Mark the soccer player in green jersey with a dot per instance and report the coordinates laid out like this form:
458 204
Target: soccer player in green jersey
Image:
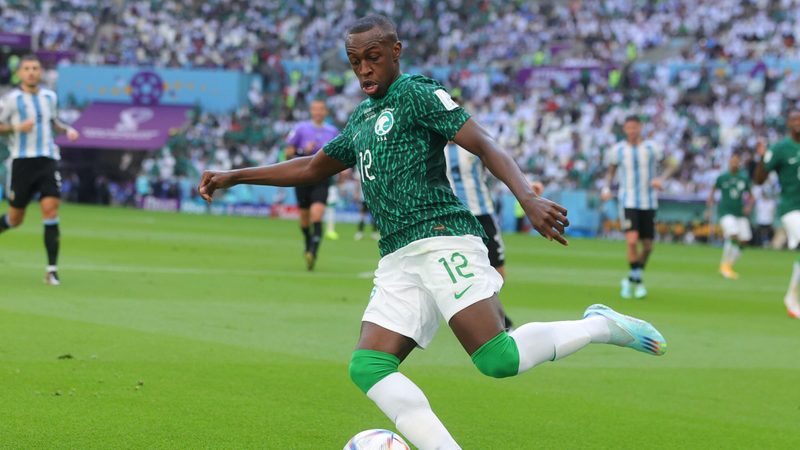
434 261
732 211
784 159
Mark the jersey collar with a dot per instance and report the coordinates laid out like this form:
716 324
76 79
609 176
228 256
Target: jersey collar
392 88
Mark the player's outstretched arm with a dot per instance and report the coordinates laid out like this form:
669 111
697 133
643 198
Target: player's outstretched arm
548 218
605 193
760 175
61 127
22 127
295 172
711 193
671 166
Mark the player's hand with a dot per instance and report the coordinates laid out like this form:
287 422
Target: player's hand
310 146
72 134
548 218
761 147
25 127
211 181
657 184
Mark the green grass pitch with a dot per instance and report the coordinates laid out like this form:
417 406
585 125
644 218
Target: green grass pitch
206 332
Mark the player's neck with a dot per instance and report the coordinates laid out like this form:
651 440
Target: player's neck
636 141
795 137
29 89
318 124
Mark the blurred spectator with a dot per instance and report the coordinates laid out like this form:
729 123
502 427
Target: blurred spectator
704 74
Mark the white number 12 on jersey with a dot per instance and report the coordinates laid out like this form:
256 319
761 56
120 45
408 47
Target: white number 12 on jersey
366 163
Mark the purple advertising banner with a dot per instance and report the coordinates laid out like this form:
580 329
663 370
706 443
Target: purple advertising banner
542 75
15 40
126 127
53 57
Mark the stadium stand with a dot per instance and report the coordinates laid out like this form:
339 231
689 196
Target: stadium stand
706 83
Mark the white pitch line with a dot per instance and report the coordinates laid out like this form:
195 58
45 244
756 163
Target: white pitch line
191 271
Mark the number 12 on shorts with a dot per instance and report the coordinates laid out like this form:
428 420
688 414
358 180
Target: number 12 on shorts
460 263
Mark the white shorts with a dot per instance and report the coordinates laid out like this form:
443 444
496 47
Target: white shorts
333 195
791 224
430 280
736 226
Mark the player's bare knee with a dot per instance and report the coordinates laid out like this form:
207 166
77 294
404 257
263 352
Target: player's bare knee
498 358
15 220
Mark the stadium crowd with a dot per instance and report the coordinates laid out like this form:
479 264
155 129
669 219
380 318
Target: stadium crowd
706 83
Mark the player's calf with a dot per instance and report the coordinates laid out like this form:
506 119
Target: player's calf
375 373
8 222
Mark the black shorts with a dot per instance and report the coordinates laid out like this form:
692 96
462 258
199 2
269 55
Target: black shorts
497 250
641 220
32 176
313 193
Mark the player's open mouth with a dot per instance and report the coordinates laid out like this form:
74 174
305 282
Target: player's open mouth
369 87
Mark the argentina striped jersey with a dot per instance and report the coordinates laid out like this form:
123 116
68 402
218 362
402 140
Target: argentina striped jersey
636 169
467 177
19 106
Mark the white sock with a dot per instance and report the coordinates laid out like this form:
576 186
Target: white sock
406 405
330 218
726 251
794 281
790 300
52 268
735 252
538 342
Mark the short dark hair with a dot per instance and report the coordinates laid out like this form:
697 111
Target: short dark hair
633 118
367 23
29 57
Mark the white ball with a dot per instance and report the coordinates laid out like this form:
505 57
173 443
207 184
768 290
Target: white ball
376 440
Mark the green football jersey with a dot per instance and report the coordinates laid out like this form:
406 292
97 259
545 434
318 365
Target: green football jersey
397 145
784 159
732 186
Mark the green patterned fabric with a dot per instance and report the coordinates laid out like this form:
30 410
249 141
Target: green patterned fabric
732 186
784 159
396 143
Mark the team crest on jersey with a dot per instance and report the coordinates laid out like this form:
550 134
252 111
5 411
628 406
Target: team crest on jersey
384 123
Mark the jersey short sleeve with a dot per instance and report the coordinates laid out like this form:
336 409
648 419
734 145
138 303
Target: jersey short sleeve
658 151
718 183
772 158
5 109
612 155
53 97
437 111
341 147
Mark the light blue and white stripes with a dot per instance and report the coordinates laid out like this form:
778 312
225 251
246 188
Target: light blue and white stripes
17 107
636 169
467 177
